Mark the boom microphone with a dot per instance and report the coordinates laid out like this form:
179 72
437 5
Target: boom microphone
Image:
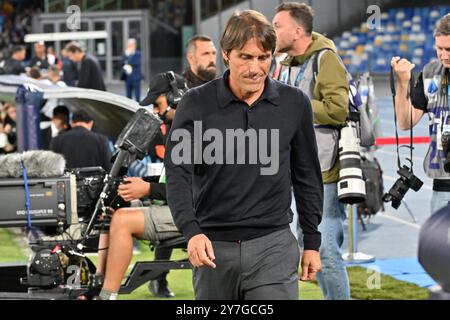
38 163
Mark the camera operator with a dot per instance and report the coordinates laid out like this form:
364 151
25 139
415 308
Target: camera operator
136 222
430 95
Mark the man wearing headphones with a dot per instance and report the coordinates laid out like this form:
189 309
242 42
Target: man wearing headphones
164 93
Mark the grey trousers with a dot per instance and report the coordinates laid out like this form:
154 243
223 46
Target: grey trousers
264 268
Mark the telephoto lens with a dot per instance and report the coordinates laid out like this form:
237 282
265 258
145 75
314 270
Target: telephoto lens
351 185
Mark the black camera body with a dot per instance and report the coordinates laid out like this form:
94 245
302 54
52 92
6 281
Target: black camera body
90 183
406 181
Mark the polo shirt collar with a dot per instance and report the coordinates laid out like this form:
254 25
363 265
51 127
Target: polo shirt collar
225 96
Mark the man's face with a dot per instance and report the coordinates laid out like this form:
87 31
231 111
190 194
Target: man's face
75 56
443 50
285 29
54 76
12 113
39 49
60 124
203 60
20 55
249 66
160 107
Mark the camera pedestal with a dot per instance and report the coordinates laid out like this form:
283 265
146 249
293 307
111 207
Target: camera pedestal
353 256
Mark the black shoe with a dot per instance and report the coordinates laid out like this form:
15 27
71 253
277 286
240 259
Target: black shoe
159 288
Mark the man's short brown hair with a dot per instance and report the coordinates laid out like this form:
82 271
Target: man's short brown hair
443 28
73 47
301 13
246 25
191 45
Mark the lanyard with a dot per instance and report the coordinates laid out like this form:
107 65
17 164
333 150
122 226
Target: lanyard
299 74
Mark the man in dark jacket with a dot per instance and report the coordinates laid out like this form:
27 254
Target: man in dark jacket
39 59
90 75
14 65
59 124
69 68
201 56
131 70
80 146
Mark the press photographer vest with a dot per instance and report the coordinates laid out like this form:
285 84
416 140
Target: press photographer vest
436 94
327 136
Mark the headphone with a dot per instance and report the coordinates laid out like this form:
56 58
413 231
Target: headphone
174 96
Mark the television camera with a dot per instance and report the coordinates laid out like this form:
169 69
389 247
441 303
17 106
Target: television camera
70 207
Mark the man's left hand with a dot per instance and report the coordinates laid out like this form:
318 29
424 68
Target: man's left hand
310 265
133 189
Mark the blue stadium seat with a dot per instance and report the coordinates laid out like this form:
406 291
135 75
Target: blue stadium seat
406 32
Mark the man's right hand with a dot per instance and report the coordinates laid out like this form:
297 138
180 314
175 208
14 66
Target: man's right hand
402 68
200 251
133 189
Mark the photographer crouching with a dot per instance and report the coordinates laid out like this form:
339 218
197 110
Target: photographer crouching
116 247
430 95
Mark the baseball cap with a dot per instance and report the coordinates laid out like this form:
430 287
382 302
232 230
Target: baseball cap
160 84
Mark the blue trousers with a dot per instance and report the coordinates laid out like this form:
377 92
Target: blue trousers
133 86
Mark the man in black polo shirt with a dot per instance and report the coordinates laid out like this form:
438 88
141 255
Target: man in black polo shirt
232 200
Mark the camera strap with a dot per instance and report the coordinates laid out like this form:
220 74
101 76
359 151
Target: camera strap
27 194
411 132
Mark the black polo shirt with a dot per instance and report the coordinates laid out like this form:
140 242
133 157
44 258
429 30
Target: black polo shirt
230 201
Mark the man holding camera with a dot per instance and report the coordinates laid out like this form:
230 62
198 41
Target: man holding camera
234 214
136 222
328 91
430 95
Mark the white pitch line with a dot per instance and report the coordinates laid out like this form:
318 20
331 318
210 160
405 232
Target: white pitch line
390 217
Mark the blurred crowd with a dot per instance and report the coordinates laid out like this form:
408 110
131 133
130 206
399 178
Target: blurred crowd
8 135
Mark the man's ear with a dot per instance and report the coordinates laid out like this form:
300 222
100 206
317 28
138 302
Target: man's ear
190 58
299 32
225 58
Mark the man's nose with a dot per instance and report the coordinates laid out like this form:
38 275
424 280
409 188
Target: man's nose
254 65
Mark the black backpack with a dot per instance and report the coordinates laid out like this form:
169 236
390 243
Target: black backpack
373 176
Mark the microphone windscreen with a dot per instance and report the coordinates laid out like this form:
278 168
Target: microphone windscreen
38 164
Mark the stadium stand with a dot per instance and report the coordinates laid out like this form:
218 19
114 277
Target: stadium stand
404 31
